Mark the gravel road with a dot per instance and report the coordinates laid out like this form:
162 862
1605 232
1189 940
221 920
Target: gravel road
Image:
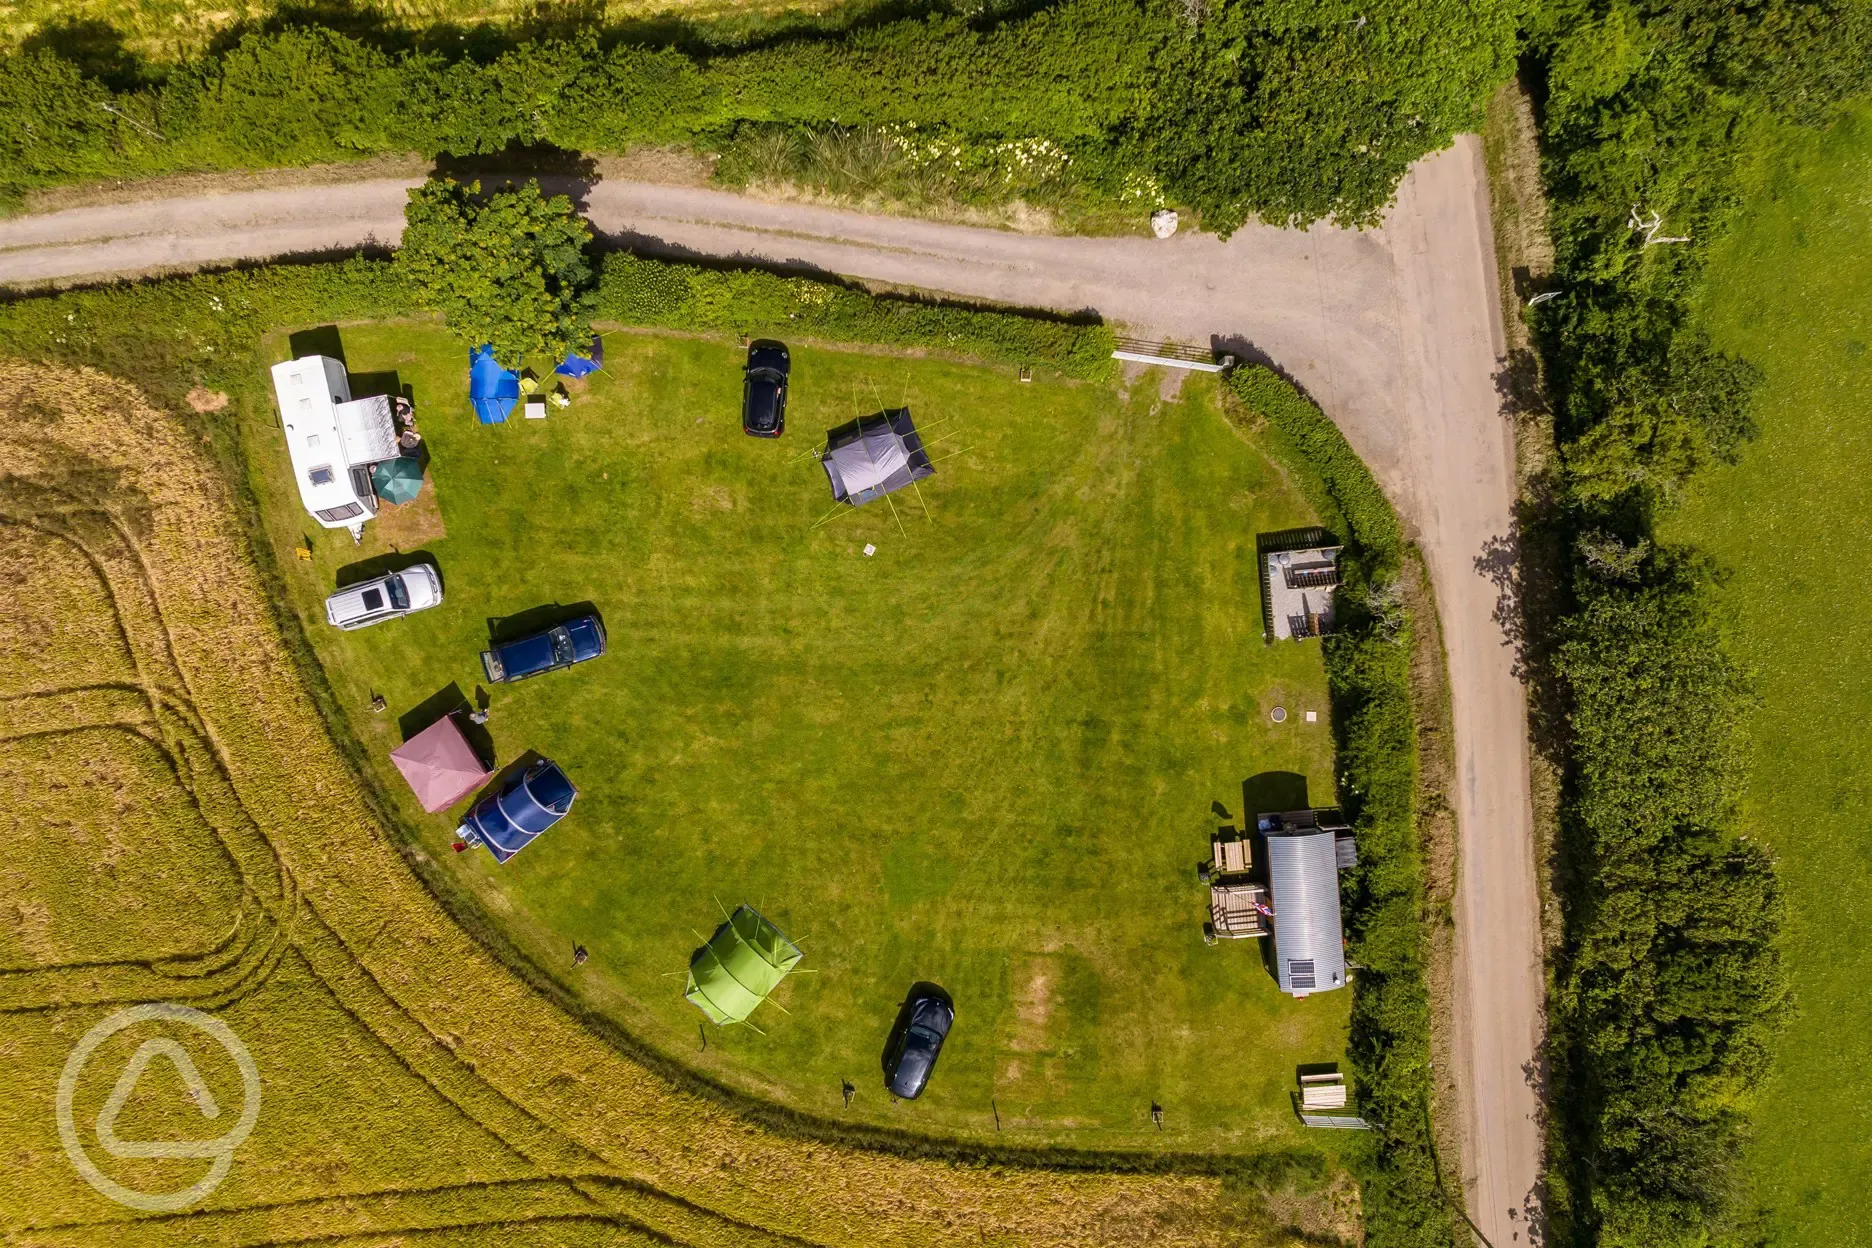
1395 331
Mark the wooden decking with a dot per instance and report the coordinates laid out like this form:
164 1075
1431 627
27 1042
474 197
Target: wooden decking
1235 910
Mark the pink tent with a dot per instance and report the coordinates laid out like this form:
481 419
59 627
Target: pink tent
440 765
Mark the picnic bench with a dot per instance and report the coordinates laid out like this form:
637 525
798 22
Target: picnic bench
1231 856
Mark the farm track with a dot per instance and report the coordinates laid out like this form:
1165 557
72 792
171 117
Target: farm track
587 1139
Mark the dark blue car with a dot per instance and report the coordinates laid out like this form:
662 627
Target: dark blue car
914 1047
557 647
531 801
763 389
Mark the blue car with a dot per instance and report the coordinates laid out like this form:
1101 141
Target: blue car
557 647
530 802
914 1047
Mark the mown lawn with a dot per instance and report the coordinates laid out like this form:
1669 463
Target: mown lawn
984 756
1792 291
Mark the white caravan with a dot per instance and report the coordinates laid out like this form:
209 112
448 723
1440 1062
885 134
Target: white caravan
333 440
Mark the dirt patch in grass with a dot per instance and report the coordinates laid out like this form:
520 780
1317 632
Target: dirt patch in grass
406 526
203 400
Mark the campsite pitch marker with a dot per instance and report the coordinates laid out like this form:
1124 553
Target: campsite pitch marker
870 550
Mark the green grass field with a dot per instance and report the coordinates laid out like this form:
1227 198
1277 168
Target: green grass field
985 756
1792 291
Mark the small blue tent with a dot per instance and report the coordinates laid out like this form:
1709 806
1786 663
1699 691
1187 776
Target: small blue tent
492 390
576 366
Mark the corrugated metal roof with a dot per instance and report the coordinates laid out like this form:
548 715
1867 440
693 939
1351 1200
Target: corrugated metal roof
1309 940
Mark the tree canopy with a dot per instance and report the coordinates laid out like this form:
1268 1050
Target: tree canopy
507 268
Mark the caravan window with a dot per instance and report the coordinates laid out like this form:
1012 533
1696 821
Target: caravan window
322 475
347 512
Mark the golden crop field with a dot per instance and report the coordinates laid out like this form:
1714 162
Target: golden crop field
184 830
169 30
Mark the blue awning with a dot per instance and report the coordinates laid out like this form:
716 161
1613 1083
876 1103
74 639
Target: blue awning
576 366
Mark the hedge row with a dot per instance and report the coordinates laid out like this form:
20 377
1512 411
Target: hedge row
1368 671
636 291
1286 111
1667 984
171 335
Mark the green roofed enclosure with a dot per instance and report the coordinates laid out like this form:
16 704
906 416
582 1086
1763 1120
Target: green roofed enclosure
742 962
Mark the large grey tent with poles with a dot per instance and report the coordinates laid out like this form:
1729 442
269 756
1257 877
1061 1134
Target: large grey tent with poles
875 455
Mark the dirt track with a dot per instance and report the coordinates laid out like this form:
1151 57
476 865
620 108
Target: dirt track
1396 333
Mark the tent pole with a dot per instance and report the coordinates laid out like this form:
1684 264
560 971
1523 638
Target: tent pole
829 516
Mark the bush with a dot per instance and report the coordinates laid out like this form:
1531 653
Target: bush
508 269
1291 112
1374 723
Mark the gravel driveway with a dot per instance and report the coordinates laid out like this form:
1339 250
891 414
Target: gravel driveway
1395 331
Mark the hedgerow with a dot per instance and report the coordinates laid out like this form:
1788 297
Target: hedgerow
1667 986
171 335
1375 730
1289 111
636 291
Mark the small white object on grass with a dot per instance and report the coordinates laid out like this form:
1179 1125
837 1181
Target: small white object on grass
1163 223
1278 715
870 549
1312 717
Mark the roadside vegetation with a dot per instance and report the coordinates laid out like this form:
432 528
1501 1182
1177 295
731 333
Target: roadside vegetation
1368 666
153 34
1120 103
1786 287
1668 983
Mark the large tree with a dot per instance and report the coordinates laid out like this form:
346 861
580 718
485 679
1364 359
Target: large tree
508 268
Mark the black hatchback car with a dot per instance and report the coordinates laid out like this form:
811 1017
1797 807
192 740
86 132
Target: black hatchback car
763 389
918 1040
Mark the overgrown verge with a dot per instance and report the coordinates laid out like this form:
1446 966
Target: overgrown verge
1368 667
1667 985
170 336
1288 113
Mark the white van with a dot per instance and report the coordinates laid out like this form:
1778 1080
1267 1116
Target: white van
333 440
386 598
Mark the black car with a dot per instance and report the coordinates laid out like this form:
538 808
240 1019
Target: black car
560 646
763 389
922 1028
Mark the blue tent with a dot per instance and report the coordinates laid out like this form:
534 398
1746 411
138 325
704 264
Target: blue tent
492 390
583 365
526 805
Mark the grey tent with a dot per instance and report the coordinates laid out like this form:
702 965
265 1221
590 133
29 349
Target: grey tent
873 456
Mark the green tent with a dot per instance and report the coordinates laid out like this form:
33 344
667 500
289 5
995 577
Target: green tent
742 962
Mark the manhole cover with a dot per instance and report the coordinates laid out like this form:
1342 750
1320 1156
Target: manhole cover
1278 715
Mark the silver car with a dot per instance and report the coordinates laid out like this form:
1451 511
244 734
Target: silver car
385 598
